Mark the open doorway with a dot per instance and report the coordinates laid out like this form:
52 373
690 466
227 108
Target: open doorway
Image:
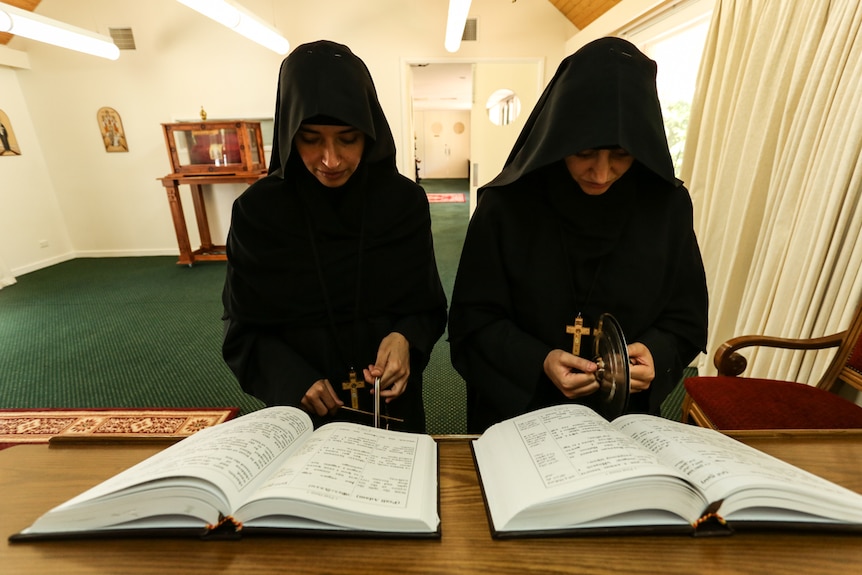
442 102
479 89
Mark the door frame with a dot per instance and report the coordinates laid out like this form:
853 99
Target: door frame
408 158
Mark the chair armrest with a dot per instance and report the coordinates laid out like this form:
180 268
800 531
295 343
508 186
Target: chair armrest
728 362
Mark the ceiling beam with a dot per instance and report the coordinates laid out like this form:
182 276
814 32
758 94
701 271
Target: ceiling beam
582 13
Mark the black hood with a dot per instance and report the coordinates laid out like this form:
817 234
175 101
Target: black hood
602 95
326 79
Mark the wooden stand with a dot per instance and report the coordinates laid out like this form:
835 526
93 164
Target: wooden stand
208 251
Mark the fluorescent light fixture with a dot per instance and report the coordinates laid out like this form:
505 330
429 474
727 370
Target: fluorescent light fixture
35 27
458 10
241 21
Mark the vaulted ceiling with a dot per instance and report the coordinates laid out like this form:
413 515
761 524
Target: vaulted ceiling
579 12
583 12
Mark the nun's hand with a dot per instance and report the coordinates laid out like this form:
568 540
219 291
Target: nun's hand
321 399
392 366
574 376
641 368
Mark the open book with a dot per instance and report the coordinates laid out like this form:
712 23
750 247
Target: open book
566 470
263 472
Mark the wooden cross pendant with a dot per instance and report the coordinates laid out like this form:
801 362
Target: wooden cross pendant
353 384
577 331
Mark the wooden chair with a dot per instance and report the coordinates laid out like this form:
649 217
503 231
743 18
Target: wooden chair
730 402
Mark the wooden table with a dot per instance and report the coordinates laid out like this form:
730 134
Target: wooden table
172 182
35 478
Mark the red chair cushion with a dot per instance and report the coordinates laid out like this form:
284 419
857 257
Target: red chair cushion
752 403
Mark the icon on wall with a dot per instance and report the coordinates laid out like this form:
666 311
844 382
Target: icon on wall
111 127
8 142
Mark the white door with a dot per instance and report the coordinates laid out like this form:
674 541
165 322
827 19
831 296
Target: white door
446 149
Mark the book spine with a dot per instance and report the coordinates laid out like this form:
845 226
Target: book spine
226 528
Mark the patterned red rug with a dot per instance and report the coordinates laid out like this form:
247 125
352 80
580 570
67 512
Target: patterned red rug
41 425
446 198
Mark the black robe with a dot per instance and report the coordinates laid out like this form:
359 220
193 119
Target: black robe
539 251
318 276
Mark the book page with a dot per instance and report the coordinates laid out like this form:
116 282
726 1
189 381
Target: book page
722 468
353 470
563 451
235 455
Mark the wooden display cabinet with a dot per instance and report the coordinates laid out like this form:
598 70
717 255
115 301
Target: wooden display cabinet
208 153
215 147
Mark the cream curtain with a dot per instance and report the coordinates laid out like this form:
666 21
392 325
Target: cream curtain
772 161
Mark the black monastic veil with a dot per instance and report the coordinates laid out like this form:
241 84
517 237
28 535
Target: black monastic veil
539 251
318 276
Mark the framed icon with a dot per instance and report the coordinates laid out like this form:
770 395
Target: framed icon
111 128
8 141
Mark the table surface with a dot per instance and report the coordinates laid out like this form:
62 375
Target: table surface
34 478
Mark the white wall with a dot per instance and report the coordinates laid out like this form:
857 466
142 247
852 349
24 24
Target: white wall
85 202
29 212
492 143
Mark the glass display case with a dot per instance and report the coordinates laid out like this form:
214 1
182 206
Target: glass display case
215 147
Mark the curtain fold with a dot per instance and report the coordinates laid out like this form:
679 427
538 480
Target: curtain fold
772 161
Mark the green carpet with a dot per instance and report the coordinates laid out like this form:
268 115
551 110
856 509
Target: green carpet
145 332
444 389
116 332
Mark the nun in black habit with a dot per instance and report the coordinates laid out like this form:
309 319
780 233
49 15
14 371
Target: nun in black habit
586 217
331 276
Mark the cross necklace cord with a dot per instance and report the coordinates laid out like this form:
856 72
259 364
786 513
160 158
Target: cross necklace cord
578 330
353 384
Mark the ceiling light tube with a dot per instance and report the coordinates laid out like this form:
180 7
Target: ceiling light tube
458 10
36 27
241 21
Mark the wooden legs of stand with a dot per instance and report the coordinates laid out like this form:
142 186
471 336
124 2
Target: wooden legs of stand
208 251
173 191
201 215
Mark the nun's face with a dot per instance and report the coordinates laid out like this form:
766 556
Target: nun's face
330 153
596 169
